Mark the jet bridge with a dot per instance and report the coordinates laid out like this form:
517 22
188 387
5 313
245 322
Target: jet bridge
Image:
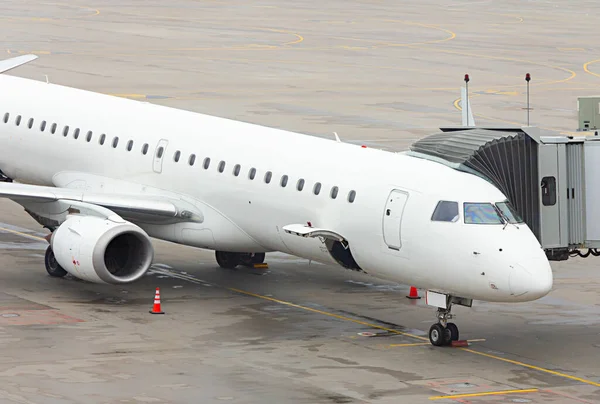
552 181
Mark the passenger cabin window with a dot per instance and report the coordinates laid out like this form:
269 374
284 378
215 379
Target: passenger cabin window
351 196
268 176
300 184
53 128
43 126
221 167
549 191
317 188
6 116
177 156
145 149
102 139
334 192
509 213
115 142
65 131
445 211
88 137
30 123
130 145
481 213
192 159
206 163
159 152
76 134
252 173
18 120
236 169
284 181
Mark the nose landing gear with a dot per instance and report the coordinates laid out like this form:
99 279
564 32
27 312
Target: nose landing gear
443 332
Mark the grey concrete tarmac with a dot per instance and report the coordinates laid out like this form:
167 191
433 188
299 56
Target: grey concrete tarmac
378 73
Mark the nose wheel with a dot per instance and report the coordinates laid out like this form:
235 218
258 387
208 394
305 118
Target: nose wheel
443 333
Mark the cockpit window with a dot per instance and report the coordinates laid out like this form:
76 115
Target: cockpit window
445 211
481 213
509 212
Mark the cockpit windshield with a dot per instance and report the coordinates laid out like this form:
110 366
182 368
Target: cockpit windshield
509 212
481 213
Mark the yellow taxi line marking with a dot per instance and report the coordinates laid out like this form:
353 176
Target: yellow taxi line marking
22 234
328 314
586 67
485 393
539 369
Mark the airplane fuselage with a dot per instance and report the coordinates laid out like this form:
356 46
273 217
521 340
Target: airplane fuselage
259 180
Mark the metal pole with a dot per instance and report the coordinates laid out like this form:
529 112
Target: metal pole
527 79
467 90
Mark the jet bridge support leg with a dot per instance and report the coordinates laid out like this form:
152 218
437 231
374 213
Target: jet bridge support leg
443 332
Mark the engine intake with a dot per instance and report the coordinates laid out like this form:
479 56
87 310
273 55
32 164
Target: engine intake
102 250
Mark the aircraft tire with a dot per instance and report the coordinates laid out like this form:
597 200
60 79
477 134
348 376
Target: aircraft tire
52 266
452 330
437 335
227 260
251 259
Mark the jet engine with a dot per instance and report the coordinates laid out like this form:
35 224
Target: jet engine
101 250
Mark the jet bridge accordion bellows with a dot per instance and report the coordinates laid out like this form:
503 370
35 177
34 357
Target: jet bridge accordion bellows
508 158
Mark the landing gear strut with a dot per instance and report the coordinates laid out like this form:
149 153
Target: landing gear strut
230 260
52 266
443 332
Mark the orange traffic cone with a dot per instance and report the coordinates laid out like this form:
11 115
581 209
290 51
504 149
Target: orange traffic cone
156 308
413 294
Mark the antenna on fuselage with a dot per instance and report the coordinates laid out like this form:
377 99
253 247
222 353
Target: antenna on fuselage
337 138
47 79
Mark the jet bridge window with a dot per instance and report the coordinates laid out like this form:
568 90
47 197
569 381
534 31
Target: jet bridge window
18 120
66 131
6 116
30 124
236 170
192 159
549 191
445 211
177 156
481 213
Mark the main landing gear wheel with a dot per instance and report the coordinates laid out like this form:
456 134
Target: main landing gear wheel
437 335
252 258
228 260
443 333
52 266
452 332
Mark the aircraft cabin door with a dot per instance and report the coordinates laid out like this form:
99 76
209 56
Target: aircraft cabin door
392 219
159 155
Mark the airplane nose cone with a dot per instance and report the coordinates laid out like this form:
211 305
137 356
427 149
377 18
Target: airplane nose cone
530 280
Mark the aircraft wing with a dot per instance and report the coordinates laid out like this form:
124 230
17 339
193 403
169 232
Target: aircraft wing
9 64
56 200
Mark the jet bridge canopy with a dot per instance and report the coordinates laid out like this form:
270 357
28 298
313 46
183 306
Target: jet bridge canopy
506 157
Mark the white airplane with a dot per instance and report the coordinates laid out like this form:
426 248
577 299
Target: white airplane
105 174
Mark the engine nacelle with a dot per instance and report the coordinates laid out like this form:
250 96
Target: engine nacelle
102 250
